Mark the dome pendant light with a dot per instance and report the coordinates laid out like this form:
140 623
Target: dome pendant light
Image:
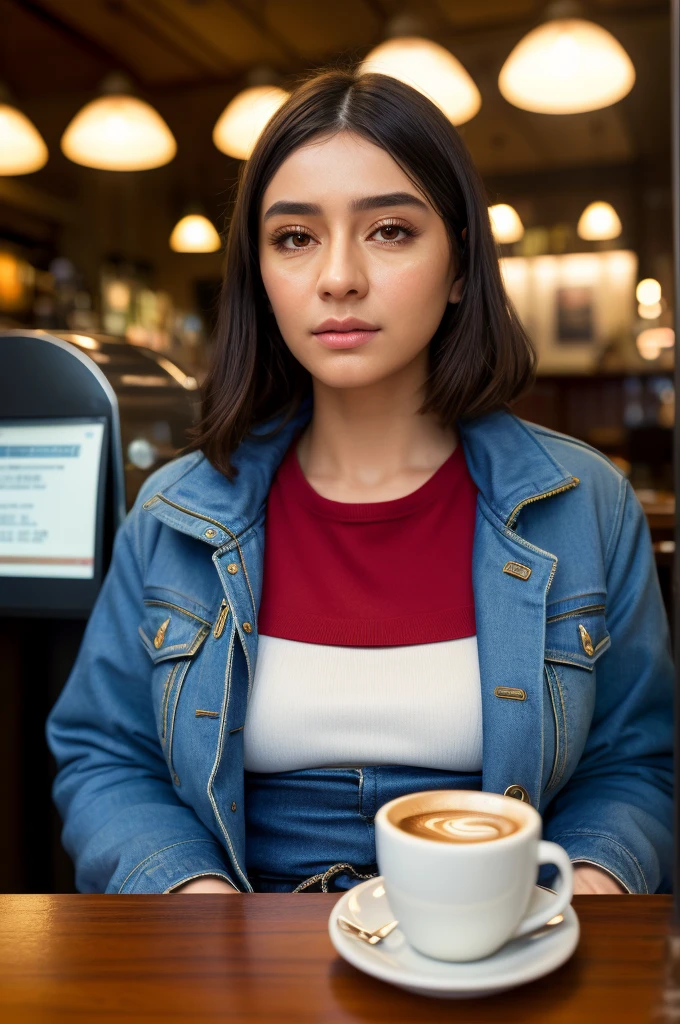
22 147
568 65
194 233
598 223
505 223
432 70
242 121
118 132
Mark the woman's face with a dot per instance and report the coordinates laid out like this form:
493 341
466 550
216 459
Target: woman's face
344 235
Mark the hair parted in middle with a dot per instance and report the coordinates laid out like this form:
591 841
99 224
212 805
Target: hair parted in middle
480 356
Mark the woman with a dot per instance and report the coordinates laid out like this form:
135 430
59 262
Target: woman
368 577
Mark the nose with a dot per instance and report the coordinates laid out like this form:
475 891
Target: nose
341 271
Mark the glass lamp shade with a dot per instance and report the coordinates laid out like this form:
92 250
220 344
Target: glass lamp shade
430 69
22 147
505 223
240 124
566 66
194 233
599 222
119 133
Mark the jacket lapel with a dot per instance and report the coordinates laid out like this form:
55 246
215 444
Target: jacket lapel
511 578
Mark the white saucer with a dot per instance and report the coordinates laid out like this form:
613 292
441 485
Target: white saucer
393 960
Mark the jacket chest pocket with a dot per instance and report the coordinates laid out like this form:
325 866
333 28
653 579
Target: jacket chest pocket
576 637
172 637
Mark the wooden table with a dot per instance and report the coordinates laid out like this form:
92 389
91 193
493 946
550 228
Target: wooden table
267 958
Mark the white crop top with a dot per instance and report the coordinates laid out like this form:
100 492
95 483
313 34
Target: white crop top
314 706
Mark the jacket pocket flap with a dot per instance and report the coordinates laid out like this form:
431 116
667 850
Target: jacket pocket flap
576 631
168 631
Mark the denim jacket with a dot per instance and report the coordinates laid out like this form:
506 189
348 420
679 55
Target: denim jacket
574 653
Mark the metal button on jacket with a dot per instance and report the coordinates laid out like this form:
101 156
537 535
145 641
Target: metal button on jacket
247 628
586 640
210 533
522 572
160 635
232 568
518 793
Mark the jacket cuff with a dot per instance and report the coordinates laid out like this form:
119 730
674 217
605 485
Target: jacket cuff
174 864
604 852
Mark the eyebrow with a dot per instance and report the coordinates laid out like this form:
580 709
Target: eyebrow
300 209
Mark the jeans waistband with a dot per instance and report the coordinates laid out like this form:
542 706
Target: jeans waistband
301 823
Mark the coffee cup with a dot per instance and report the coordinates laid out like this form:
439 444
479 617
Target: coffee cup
459 868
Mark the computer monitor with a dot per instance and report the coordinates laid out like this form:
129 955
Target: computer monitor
52 485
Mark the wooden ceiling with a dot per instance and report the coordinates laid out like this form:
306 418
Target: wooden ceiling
63 48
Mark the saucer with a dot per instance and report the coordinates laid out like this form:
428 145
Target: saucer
393 960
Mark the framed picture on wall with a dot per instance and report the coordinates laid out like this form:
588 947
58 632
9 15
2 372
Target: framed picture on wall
572 305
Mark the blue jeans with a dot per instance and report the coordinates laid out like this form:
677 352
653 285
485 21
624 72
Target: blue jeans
301 824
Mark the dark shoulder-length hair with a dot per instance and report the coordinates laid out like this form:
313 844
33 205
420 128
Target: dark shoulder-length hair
480 356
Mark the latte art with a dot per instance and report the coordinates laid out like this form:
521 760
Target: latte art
458 826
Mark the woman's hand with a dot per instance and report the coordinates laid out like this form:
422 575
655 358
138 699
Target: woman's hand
206 884
589 880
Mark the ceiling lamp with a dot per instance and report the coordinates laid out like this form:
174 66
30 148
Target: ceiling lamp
241 122
22 147
566 66
505 223
648 291
194 233
599 222
430 69
118 132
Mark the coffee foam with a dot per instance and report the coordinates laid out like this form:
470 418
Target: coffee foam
458 826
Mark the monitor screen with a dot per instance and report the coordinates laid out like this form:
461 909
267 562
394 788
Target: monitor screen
50 484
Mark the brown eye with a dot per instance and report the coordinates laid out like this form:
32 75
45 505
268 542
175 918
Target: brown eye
390 228
300 241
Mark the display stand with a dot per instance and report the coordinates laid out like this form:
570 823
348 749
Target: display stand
61 501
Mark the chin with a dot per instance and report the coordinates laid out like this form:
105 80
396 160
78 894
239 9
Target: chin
343 377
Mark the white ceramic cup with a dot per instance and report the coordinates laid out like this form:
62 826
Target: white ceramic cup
463 901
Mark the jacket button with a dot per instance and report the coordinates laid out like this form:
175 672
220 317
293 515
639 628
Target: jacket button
247 628
232 568
586 641
518 793
522 572
175 779
233 806
160 635
210 533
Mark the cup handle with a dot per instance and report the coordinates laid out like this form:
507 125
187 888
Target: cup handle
551 853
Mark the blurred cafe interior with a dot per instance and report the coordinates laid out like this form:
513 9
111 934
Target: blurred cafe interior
123 125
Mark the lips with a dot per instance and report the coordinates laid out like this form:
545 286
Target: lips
342 326
347 333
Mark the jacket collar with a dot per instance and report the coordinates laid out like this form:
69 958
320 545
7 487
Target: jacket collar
507 462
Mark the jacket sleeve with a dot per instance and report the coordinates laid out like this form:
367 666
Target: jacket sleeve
124 826
616 811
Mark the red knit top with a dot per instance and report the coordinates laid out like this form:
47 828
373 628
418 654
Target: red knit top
371 574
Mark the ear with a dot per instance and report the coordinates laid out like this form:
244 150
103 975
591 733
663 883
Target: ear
456 292
459 283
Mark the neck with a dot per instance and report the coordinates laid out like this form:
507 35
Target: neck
371 443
